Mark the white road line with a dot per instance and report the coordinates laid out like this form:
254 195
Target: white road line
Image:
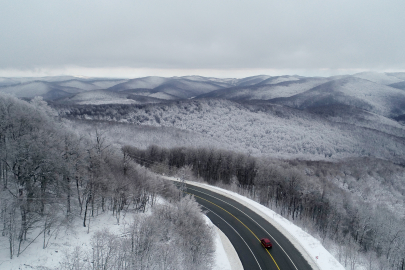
251 219
237 233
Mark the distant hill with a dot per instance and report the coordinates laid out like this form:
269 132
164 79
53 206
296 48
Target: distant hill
53 88
261 129
373 103
378 93
350 91
381 78
399 85
267 89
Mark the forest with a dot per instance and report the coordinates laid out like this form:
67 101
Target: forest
336 171
361 225
261 129
52 176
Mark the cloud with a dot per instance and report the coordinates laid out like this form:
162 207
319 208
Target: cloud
202 35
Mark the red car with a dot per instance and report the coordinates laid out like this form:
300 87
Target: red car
266 243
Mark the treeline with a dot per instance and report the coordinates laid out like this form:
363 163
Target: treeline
103 111
212 165
302 192
50 175
262 130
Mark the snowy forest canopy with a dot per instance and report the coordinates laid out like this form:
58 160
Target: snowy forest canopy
50 175
327 153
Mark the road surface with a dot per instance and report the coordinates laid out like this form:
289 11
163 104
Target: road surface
244 228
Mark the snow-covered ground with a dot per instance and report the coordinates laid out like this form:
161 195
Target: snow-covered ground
35 257
226 257
311 248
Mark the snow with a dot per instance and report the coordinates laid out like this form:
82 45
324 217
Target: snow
81 85
104 84
311 248
147 82
274 90
280 79
108 101
226 257
35 257
378 96
27 89
252 80
98 97
380 78
162 95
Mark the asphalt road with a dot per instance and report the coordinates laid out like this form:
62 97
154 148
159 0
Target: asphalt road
244 228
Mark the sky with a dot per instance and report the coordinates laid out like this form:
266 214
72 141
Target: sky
221 38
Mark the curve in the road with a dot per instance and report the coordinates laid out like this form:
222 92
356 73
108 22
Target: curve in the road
239 236
241 223
242 226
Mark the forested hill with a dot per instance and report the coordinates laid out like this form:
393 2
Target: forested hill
51 177
262 129
326 152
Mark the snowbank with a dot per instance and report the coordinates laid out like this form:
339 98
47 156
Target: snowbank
226 257
311 249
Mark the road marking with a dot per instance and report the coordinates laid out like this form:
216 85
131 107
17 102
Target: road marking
240 222
236 232
253 221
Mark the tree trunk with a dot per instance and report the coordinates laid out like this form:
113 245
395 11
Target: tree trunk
85 214
68 195
78 195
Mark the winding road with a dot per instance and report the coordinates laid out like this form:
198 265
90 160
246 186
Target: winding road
244 228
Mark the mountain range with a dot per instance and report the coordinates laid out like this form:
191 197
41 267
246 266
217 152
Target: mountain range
287 116
380 93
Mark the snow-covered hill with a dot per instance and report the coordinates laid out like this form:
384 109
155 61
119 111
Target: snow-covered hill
358 117
270 130
351 91
99 97
380 78
147 82
268 89
172 88
51 88
379 93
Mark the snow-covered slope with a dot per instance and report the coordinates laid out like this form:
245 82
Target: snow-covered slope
358 117
399 85
270 131
280 79
380 78
80 85
184 89
352 91
399 75
170 88
104 84
146 82
268 90
30 89
252 80
99 97
52 88
222 82
50 258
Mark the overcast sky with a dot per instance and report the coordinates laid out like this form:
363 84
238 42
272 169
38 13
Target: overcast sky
206 37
